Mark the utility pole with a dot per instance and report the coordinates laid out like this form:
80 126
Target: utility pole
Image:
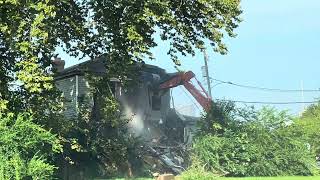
207 71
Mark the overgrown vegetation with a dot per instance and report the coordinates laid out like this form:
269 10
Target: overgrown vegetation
307 127
35 139
26 148
245 142
97 141
122 31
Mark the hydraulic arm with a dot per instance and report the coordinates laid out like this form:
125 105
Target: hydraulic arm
184 79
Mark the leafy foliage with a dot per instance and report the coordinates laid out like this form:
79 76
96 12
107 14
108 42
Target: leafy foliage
98 140
262 145
128 26
25 149
307 126
197 173
122 31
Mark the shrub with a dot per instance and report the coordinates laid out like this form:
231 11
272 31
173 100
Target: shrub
197 171
308 126
25 149
263 145
97 142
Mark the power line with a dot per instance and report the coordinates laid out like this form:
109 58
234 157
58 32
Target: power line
190 98
261 102
265 89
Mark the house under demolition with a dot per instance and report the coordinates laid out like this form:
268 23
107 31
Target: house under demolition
151 116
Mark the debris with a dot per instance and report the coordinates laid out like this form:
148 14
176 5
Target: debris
155 175
166 177
168 162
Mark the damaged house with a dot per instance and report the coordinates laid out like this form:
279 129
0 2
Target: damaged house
148 105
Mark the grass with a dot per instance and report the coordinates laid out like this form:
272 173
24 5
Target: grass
250 178
130 179
272 178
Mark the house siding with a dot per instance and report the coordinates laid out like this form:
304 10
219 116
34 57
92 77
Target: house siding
137 103
74 89
68 88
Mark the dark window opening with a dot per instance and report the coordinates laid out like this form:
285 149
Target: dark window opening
112 87
156 101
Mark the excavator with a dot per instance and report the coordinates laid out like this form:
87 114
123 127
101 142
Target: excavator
202 97
184 78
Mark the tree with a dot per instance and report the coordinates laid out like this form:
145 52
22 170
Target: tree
120 30
123 30
29 33
127 28
307 126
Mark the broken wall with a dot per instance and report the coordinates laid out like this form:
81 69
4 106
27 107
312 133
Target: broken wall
137 101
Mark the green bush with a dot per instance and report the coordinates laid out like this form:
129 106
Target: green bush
25 149
252 143
198 171
307 126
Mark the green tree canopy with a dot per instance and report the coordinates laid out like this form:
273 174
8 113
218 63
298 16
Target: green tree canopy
123 31
308 125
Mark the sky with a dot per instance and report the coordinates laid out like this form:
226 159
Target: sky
276 47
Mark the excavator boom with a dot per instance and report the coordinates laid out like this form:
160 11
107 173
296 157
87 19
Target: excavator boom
185 79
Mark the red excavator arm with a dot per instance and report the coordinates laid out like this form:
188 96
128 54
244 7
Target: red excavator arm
185 79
